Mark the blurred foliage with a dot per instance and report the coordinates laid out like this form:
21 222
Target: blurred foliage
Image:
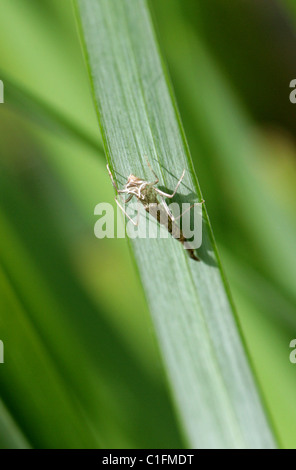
247 171
82 368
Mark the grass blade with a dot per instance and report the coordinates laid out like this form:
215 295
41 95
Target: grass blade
203 351
10 435
82 409
44 115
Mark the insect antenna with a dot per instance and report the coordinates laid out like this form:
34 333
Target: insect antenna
151 169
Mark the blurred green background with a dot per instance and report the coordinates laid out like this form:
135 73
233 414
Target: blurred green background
82 367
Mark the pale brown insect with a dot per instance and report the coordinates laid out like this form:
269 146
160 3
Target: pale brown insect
149 195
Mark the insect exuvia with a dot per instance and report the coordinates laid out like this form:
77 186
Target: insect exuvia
147 194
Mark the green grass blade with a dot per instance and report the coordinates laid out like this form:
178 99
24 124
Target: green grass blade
217 115
209 372
44 114
10 435
53 328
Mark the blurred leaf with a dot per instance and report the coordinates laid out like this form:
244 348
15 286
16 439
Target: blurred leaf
208 368
264 47
257 225
291 6
64 359
45 115
29 367
248 191
10 435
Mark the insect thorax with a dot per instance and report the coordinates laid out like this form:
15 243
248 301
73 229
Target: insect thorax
150 196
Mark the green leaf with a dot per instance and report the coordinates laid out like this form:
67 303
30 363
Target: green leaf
249 206
227 136
291 7
44 114
57 383
10 435
208 368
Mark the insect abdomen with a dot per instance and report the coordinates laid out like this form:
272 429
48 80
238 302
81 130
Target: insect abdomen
160 214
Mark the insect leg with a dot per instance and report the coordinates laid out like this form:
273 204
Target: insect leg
167 209
176 188
113 182
128 198
171 215
192 205
120 206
